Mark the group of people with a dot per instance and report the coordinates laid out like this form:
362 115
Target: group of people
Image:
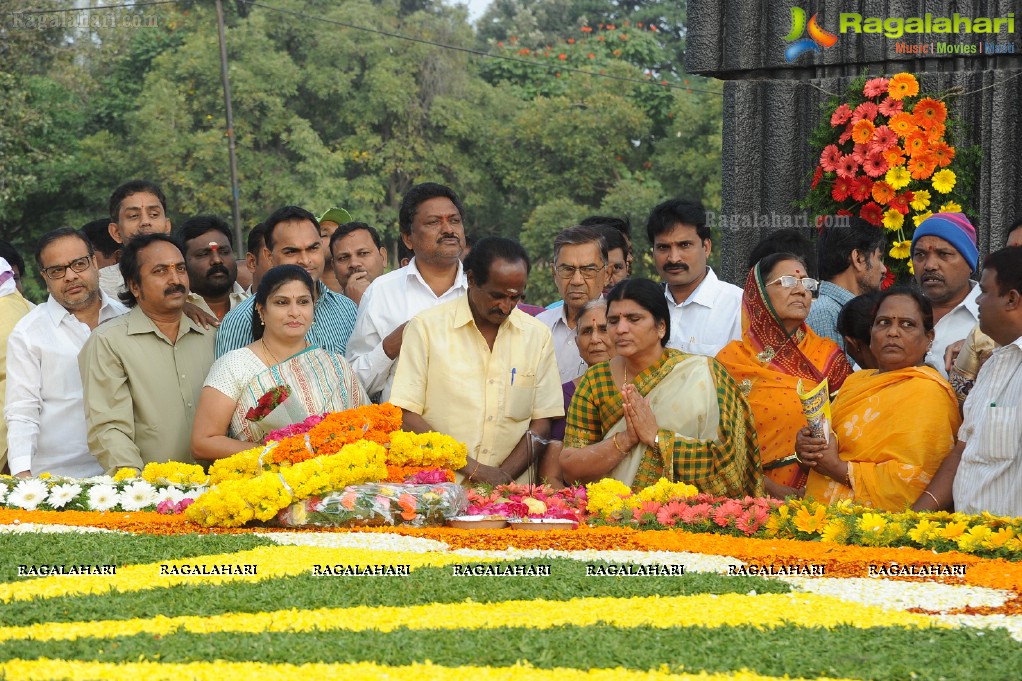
164 353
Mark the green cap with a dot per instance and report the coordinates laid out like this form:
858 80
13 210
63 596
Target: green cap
338 215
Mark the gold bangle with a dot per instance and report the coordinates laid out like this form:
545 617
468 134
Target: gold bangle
617 446
935 500
475 470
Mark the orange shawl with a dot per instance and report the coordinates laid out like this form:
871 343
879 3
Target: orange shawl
767 364
892 453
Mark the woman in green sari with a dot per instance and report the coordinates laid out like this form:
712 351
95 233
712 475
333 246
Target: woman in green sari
653 412
318 380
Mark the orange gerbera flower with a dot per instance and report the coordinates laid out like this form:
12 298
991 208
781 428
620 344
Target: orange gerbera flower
943 153
862 131
903 124
935 132
922 166
917 143
894 156
882 192
903 85
929 111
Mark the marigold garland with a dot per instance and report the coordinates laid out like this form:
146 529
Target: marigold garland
430 450
174 473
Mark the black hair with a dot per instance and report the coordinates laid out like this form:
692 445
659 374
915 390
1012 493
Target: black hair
856 317
614 238
673 212
59 233
199 225
785 241
1007 262
256 239
349 227
131 269
767 264
274 278
98 234
285 214
488 249
418 195
579 235
134 187
925 306
1017 224
9 253
403 252
620 224
648 295
836 242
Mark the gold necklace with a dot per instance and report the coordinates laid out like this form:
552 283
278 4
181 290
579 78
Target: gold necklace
267 351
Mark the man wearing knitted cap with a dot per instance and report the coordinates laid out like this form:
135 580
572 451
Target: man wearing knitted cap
944 255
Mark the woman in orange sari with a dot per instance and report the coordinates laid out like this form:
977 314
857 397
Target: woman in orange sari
879 454
777 350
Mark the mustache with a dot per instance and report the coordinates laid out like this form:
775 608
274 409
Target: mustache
676 267
933 277
218 269
174 288
450 235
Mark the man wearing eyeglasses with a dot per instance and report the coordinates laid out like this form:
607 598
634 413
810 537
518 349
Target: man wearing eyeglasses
706 313
44 409
580 273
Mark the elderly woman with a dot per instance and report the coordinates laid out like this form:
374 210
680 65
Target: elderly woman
777 350
653 412
594 346
879 454
318 380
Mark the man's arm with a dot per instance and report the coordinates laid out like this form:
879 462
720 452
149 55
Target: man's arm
109 413
939 494
518 461
372 350
23 403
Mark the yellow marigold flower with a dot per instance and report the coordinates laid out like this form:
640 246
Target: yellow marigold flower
175 473
950 207
893 220
944 180
919 217
953 529
974 538
811 523
836 532
899 177
920 200
872 523
999 538
901 250
124 474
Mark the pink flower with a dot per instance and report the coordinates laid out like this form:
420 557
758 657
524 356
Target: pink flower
889 107
840 115
670 513
859 152
846 135
874 166
748 523
430 477
513 509
847 167
698 513
875 87
865 111
183 504
166 507
884 138
830 158
647 512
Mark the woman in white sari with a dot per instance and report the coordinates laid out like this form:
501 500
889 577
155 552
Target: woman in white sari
318 380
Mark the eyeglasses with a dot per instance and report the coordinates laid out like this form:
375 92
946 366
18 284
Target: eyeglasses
789 281
588 271
76 265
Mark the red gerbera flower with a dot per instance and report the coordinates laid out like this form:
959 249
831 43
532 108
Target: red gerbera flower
816 176
862 186
830 158
847 166
872 214
842 187
888 281
840 116
859 152
884 138
900 202
875 165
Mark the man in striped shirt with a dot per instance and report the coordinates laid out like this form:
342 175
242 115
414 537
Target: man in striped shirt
984 470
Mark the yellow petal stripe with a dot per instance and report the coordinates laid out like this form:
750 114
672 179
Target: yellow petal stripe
229 671
706 610
269 561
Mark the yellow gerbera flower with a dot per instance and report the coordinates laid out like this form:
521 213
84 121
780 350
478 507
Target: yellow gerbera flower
923 531
943 180
872 523
811 523
835 532
950 207
901 250
954 529
893 220
899 177
919 217
920 200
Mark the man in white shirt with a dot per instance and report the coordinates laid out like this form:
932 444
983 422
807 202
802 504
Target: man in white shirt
580 274
430 220
984 470
706 313
944 255
208 246
45 409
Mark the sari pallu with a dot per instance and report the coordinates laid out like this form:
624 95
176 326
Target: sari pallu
767 364
319 381
706 431
893 449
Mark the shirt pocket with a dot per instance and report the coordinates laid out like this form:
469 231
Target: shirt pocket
521 397
1000 435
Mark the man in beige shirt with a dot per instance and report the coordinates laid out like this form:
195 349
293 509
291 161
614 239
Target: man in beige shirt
481 370
143 371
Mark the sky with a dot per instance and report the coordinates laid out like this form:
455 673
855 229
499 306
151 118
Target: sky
475 8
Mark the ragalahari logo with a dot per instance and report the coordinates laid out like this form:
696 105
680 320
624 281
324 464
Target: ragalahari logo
818 38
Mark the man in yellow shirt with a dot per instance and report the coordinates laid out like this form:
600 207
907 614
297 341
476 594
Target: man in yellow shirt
12 308
481 370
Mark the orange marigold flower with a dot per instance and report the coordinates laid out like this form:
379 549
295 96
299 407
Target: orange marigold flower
943 153
882 192
903 85
586 29
929 111
524 50
862 131
571 41
562 56
591 56
902 123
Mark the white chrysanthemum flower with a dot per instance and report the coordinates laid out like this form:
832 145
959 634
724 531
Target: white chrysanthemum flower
3 492
62 495
172 494
137 494
28 494
103 497
98 480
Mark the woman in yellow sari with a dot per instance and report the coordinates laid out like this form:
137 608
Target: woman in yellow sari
892 427
778 350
